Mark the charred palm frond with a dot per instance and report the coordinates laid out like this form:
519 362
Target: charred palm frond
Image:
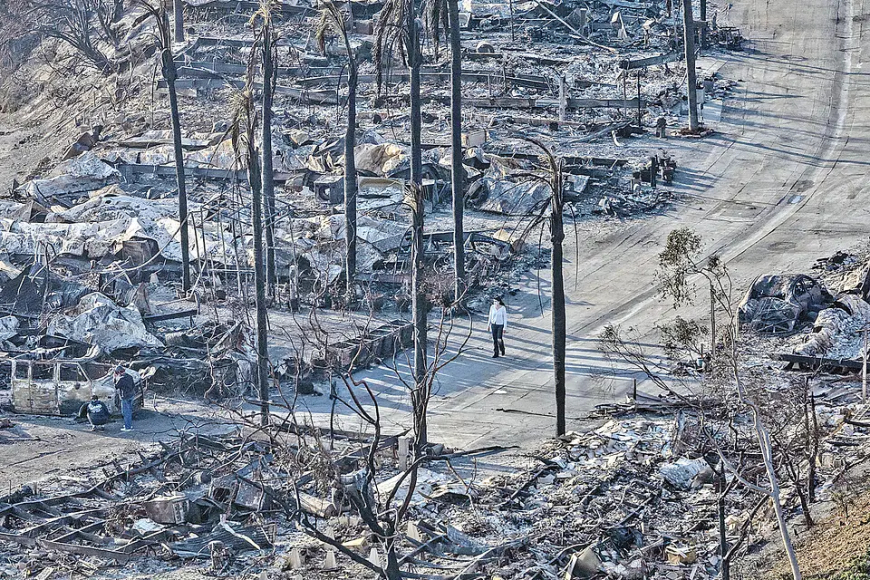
331 18
263 13
436 18
391 35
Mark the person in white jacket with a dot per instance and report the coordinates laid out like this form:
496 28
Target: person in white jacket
497 324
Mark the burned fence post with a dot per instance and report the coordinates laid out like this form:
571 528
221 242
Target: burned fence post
639 110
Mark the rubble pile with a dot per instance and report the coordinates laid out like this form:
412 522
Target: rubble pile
161 503
90 262
630 499
826 316
90 243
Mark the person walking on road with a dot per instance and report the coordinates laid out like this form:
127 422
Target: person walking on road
497 324
127 391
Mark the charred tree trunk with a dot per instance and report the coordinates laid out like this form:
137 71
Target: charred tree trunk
766 447
814 446
99 60
255 181
393 570
692 82
703 16
712 322
118 11
268 172
178 9
418 294
557 233
458 171
725 565
350 182
170 74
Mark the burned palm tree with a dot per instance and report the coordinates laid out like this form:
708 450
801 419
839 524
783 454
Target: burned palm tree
178 13
170 74
553 213
332 18
263 16
398 30
444 14
243 130
691 87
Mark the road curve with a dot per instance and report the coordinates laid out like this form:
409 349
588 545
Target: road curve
782 183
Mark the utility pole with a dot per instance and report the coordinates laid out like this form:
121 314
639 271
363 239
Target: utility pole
689 35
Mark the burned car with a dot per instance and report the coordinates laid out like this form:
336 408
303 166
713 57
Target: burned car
62 386
777 303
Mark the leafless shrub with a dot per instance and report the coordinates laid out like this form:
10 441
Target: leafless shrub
736 394
85 25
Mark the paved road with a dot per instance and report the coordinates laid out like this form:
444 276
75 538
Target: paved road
783 183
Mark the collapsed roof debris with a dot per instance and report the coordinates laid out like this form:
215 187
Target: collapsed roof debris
98 321
235 502
777 303
825 317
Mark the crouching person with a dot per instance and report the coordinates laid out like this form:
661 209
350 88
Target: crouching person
96 412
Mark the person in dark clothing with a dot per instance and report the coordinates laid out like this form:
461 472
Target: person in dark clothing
127 392
97 413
